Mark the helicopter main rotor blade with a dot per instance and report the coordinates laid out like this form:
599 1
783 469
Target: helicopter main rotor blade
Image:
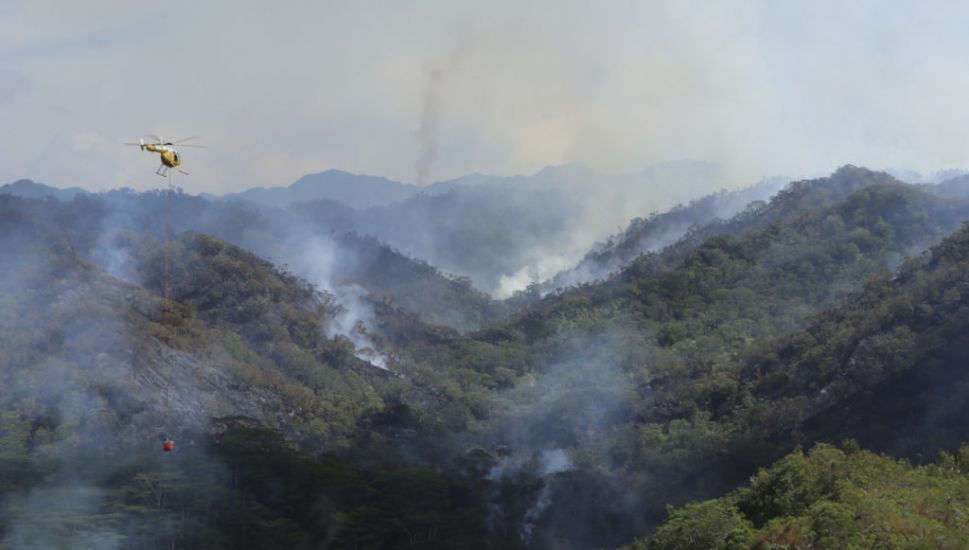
190 145
186 139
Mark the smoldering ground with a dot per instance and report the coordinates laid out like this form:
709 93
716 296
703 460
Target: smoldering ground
551 481
316 260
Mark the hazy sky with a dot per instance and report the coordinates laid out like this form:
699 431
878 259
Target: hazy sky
423 91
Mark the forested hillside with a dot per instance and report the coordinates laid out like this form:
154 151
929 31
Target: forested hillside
335 408
242 376
660 230
241 338
831 498
642 376
341 262
451 275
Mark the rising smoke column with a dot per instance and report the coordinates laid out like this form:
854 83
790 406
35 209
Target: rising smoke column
427 129
437 75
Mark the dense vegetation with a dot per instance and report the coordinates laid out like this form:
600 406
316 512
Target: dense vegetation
93 378
836 310
99 228
661 229
831 498
644 377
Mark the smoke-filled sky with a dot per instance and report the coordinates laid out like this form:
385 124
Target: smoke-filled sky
424 91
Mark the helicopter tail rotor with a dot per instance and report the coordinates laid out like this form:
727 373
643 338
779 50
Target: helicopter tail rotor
140 143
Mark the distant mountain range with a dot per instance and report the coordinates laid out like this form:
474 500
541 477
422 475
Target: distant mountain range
363 191
350 189
502 232
506 233
32 189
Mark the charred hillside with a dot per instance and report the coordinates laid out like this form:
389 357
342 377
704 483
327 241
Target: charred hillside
241 339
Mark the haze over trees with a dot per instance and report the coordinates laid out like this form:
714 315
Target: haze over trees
327 389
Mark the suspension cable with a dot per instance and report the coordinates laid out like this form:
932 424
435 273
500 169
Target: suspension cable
166 275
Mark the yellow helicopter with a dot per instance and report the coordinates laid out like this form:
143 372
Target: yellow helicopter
166 149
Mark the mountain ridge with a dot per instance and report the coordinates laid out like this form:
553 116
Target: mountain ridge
30 188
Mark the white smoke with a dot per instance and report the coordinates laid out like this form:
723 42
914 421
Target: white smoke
316 262
544 465
539 270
